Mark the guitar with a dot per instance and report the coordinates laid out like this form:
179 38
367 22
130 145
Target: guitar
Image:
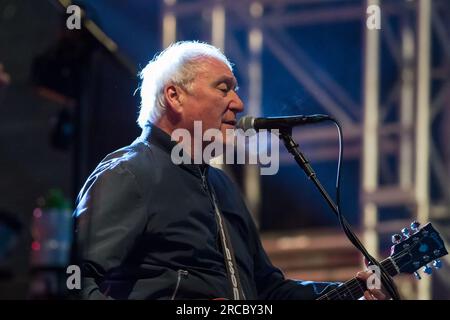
407 256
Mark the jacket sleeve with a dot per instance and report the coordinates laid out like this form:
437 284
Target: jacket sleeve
110 216
271 283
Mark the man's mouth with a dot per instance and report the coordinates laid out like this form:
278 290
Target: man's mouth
230 122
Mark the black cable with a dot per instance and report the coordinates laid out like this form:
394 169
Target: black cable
386 278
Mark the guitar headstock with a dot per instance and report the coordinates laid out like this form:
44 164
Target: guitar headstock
417 249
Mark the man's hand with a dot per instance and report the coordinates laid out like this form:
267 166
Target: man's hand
372 294
4 77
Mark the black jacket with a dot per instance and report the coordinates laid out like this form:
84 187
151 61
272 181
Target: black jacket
147 230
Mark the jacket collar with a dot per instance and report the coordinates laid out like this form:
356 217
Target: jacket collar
152 135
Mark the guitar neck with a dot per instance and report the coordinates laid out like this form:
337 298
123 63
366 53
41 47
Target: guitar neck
354 288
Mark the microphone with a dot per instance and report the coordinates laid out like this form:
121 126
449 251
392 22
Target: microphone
249 122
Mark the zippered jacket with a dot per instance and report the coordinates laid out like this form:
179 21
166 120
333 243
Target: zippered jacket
146 229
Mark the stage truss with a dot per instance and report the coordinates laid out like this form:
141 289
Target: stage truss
400 159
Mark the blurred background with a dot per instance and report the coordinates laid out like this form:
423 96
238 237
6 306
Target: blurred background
380 67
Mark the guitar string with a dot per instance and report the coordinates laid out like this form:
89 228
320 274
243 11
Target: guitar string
353 286
353 289
390 265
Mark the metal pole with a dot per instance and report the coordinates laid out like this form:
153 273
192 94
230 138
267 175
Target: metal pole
218 26
370 135
252 179
169 24
423 136
407 103
218 40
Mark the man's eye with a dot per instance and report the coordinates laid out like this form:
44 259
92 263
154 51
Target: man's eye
223 89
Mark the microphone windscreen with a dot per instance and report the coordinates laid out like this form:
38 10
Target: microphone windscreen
245 123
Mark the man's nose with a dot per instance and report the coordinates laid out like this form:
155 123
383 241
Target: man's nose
236 104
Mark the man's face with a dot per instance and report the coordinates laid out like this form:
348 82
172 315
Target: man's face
212 98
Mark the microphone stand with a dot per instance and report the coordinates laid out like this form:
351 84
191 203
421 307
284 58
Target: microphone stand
292 147
302 161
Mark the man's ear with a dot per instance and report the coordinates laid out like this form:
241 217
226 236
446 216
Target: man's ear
174 98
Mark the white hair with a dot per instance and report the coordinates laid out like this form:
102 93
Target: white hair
178 65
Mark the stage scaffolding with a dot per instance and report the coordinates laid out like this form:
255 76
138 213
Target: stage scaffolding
419 43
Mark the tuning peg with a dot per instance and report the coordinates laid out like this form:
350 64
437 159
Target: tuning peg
405 232
415 226
396 238
417 275
437 263
427 269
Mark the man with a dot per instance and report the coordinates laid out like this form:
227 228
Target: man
152 229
